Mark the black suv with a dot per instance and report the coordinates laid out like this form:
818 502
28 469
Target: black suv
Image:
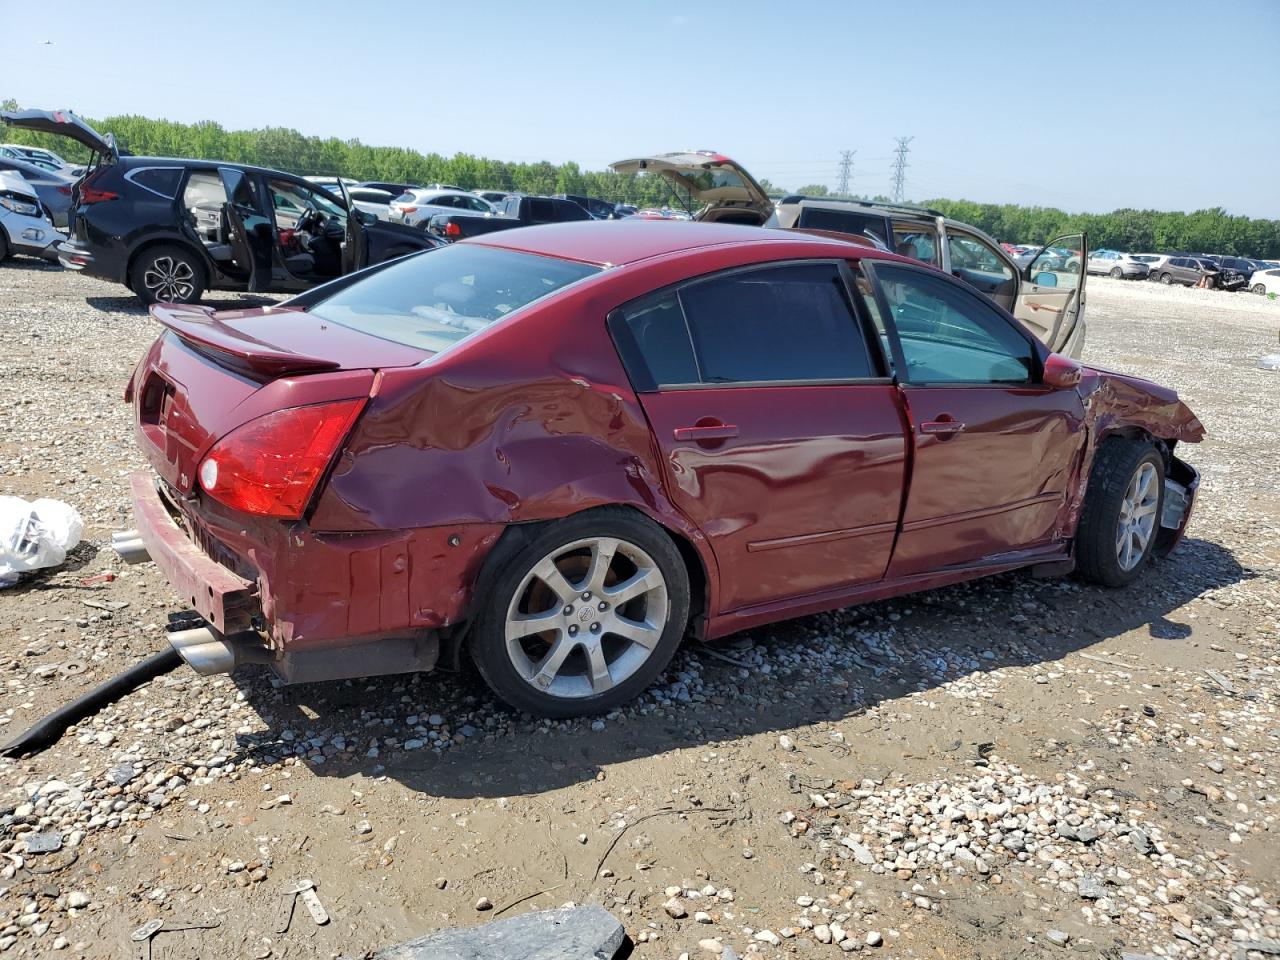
170 229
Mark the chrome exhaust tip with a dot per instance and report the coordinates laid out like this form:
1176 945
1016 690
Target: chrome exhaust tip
129 547
209 653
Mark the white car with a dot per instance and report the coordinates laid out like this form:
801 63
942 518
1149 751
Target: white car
1265 281
24 227
415 207
1154 261
370 200
1117 265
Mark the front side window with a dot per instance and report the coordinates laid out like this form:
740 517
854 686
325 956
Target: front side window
433 300
292 200
949 335
971 254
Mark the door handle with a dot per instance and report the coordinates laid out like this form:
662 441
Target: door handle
945 426
706 431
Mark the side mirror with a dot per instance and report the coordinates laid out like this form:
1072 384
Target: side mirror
1045 279
367 218
1061 373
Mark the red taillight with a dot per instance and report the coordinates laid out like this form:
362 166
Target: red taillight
407 210
451 229
89 195
65 191
270 466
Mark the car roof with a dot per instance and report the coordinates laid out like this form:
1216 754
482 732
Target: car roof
619 242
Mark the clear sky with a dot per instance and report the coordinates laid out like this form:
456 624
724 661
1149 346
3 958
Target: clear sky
1086 105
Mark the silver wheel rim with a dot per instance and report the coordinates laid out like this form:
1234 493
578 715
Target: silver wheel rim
586 617
1137 517
169 280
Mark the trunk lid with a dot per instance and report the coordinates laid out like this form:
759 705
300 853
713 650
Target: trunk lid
211 372
63 123
710 178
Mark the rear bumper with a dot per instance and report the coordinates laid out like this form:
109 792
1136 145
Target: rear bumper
75 256
226 600
328 606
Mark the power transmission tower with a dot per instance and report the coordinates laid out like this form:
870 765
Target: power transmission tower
846 171
900 166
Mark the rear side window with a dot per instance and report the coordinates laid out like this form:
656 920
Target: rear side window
841 221
542 211
771 325
160 180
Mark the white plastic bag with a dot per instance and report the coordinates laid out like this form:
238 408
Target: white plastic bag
34 535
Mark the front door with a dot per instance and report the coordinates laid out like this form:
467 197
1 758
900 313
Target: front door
1051 300
250 235
995 451
780 432
355 246
977 263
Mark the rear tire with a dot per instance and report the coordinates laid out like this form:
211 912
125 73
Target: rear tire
1166 279
167 274
583 577
1258 288
1120 522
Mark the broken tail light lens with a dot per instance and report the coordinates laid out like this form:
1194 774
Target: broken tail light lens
270 466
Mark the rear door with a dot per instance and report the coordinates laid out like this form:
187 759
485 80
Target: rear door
994 450
249 232
1051 298
781 434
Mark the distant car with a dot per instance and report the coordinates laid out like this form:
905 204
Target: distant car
1190 271
415 207
41 157
493 196
170 229
625 209
1154 262
52 187
1241 265
25 227
1117 265
332 184
1265 281
377 202
599 209
395 189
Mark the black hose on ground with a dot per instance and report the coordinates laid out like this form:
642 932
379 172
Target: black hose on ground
48 731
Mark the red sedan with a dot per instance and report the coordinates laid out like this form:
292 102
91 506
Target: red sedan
562 449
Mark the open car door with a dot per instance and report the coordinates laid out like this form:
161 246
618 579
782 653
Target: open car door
355 246
249 232
728 193
1050 297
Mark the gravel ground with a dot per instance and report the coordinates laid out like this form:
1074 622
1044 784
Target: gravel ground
1012 768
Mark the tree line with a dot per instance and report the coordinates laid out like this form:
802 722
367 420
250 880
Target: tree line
282 148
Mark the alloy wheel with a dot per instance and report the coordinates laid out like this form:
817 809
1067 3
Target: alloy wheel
169 280
1165 278
1116 273
1137 520
586 617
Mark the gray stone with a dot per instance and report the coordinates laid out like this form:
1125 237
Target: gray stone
122 774
1091 888
49 842
569 933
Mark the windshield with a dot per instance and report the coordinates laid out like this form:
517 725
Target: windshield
436 299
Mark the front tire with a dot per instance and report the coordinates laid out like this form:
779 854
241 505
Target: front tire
1166 279
1116 273
4 245
1120 521
167 274
584 616
1257 288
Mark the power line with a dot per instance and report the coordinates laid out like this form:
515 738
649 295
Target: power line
900 166
846 170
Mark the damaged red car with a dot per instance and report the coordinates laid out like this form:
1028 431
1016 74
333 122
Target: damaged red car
561 450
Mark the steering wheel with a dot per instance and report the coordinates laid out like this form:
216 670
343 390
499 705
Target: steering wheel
307 219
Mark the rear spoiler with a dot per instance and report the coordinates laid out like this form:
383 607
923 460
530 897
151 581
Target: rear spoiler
200 328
